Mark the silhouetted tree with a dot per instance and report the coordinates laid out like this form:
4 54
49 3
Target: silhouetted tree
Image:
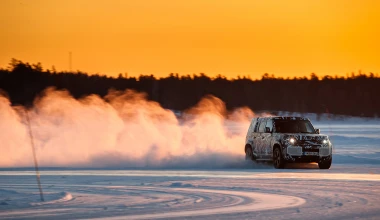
352 95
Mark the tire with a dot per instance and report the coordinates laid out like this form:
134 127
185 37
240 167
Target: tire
326 164
278 160
248 153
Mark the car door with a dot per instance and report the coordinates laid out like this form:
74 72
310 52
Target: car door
256 136
266 137
260 138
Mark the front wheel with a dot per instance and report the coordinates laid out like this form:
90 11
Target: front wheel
278 161
326 164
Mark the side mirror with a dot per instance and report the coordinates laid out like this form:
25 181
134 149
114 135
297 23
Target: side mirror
318 131
267 130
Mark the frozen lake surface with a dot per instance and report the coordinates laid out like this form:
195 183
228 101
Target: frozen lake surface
344 192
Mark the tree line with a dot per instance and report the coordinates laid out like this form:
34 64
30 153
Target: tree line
355 94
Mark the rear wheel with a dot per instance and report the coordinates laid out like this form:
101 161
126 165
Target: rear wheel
326 164
278 161
248 153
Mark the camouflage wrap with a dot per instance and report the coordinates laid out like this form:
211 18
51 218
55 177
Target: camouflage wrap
307 147
304 146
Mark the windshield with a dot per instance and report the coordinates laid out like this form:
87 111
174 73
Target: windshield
294 126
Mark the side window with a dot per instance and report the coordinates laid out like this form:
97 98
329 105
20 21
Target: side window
262 126
269 125
257 125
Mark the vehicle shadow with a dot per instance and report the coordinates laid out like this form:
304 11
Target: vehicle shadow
266 164
301 166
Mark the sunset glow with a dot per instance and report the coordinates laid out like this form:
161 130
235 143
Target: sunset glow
241 37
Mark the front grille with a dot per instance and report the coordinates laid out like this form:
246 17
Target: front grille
310 149
297 151
306 143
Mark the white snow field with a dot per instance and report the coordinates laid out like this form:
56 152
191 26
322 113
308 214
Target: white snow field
201 189
340 193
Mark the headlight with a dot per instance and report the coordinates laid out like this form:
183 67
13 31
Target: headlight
292 140
326 141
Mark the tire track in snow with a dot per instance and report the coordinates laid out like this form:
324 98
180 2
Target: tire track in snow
191 202
256 202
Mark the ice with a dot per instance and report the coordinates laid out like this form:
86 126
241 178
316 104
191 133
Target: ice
199 194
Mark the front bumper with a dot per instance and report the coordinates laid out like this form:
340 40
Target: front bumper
307 153
306 159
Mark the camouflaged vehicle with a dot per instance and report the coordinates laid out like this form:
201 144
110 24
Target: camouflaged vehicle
287 140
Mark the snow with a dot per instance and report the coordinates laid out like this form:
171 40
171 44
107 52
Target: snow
213 194
201 189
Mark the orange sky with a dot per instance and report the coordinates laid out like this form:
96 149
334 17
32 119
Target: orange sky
239 37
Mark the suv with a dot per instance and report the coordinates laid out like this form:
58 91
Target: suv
287 139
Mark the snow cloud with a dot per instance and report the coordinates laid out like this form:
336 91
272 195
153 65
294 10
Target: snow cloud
123 129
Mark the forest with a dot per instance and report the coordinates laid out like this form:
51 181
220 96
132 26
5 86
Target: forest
355 94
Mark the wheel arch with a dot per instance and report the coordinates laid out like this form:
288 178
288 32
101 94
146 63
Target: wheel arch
247 145
276 145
